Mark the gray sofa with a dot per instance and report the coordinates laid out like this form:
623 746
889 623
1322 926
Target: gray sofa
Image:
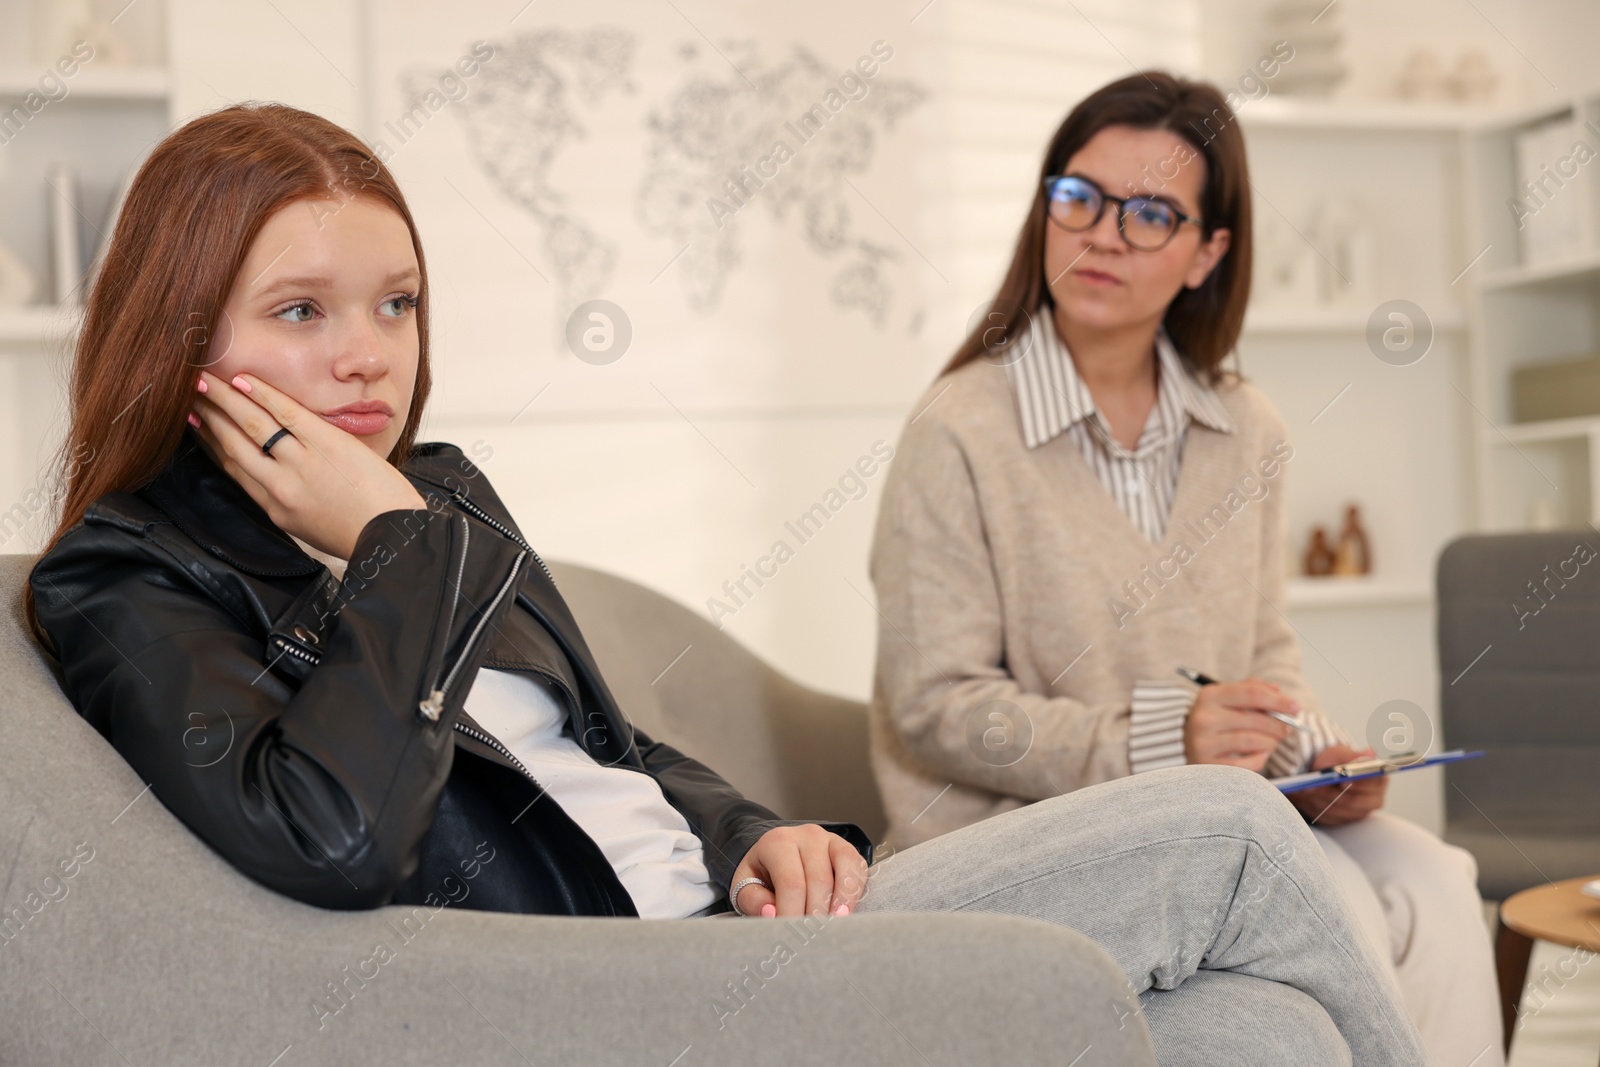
124 939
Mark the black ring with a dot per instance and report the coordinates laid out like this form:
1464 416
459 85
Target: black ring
266 449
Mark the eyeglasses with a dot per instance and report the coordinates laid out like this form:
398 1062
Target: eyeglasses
1147 223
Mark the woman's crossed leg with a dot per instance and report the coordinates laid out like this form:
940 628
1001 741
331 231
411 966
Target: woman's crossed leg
1173 871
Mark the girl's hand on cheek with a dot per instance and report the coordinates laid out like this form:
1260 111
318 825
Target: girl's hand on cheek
319 483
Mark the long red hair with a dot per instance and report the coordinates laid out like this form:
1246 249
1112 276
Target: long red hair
190 216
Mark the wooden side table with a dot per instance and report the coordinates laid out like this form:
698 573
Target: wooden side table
1557 913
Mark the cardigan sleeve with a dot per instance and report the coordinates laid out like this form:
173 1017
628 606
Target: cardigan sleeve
941 673
1276 657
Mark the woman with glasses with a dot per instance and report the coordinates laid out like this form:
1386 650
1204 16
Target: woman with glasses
1086 501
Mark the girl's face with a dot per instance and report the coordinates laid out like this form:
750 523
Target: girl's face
1097 280
321 309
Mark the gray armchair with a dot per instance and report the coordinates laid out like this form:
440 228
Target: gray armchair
1519 664
155 950
799 752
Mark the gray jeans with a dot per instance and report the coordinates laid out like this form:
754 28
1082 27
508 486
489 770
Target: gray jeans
1207 887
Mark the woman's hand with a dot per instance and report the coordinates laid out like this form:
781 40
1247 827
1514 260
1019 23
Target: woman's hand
320 484
1226 724
811 871
1335 805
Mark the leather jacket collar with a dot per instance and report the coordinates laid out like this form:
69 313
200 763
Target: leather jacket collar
217 513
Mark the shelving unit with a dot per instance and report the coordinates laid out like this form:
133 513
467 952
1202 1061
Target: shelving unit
109 117
1545 473
1348 413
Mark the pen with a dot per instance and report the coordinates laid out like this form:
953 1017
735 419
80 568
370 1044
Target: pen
1205 679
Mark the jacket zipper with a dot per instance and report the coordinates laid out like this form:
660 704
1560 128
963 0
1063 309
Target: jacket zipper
485 517
434 704
450 620
312 658
461 571
493 743
477 735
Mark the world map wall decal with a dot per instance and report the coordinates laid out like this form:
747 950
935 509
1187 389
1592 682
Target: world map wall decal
789 137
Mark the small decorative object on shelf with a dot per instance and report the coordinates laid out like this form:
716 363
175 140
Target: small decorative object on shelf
1344 270
1319 554
1293 274
1424 78
1546 211
18 285
1287 275
1474 79
60 24
1566 389
109 228
1349 556
1311 27
1352 555
65 258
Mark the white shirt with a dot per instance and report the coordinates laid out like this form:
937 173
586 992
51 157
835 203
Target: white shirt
648 842
658 859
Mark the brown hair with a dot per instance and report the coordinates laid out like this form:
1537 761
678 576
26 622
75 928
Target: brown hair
182 236
1204 322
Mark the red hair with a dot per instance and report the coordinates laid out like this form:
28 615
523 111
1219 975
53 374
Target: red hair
186 226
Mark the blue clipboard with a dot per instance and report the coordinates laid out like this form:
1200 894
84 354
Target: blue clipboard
1367 768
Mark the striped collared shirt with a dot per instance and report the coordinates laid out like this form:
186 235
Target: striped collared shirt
1052 399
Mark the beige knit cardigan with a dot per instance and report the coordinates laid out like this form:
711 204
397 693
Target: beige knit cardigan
1018 605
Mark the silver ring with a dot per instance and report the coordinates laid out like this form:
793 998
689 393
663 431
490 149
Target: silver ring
733 895
266 449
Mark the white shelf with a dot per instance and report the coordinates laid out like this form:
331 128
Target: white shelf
89 83
1266 319
1579 268
1283 112
1355 592
1530 115
1545 430
38 323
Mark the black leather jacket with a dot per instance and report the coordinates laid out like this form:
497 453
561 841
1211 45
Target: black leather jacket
310 729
